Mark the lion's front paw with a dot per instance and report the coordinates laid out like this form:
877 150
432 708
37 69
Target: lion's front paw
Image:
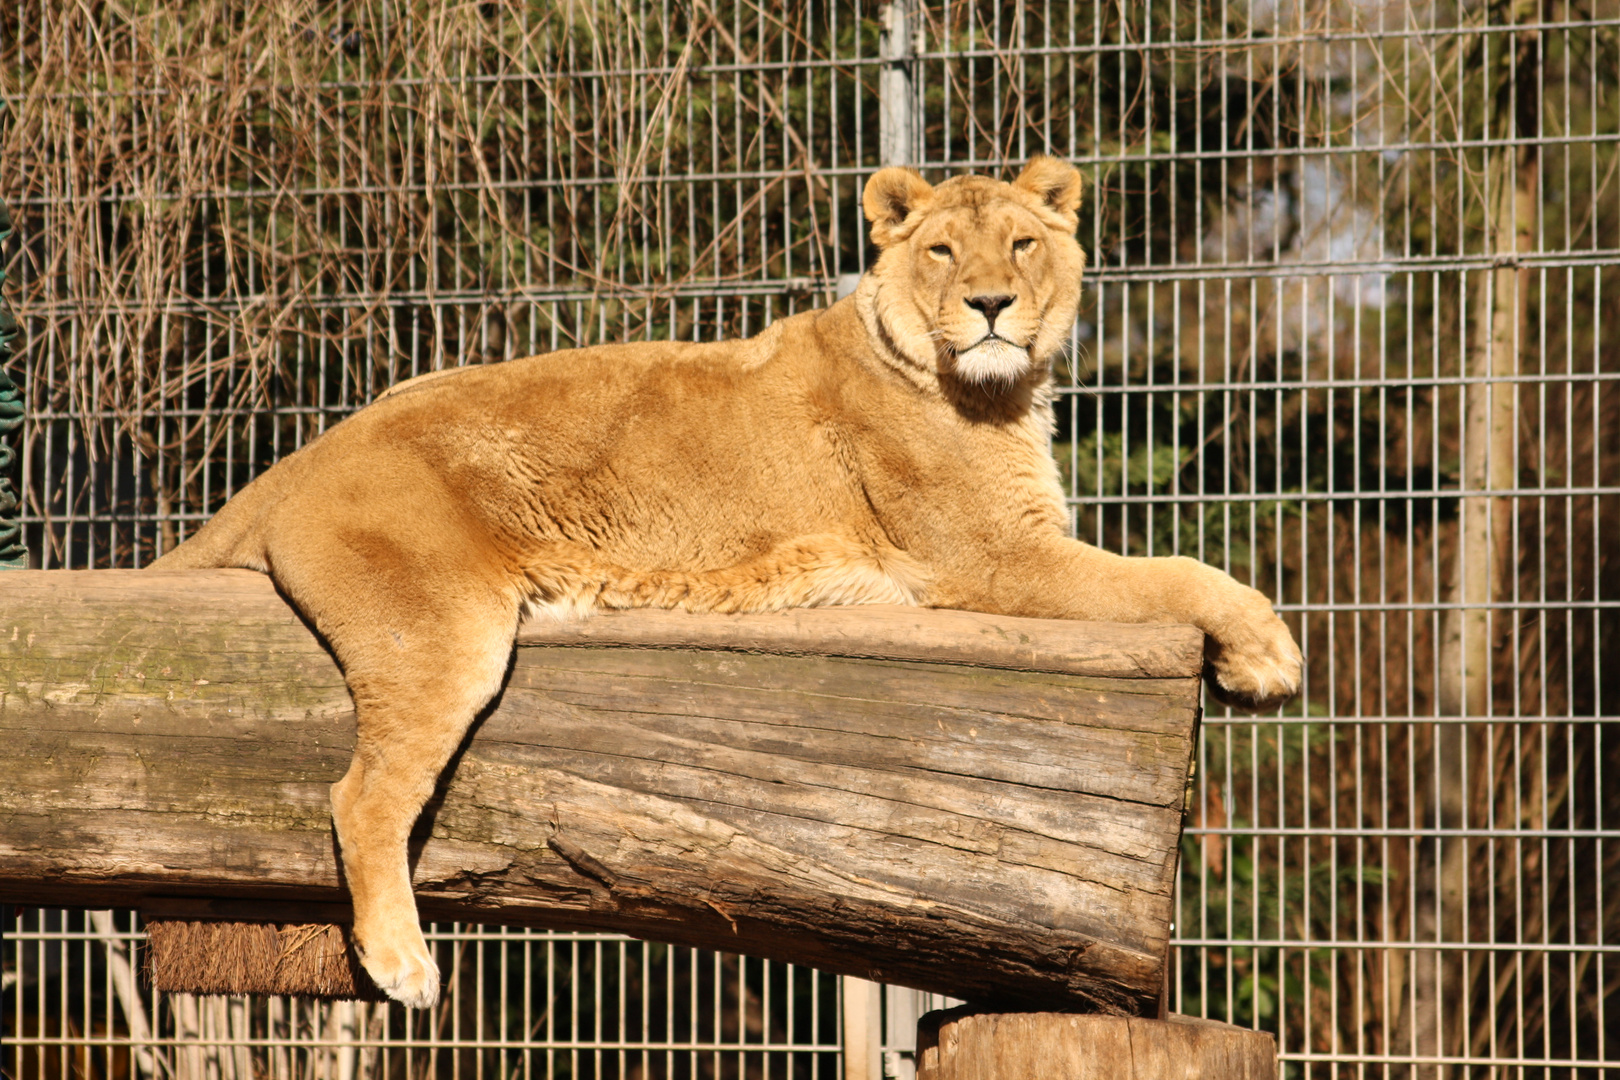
1252 659
402 968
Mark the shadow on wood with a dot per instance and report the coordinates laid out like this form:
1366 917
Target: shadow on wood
982 806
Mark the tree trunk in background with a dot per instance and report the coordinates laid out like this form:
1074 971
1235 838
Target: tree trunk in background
1482 575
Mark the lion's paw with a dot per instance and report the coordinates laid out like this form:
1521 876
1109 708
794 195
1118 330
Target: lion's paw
1251 657
403 969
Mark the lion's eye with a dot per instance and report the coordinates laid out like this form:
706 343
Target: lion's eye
1023 243
942 251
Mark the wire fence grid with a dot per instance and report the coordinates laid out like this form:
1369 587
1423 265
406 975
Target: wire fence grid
1350 332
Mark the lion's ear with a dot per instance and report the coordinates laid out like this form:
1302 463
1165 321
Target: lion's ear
890 197
1056 185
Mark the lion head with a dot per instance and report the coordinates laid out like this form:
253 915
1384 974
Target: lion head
977 280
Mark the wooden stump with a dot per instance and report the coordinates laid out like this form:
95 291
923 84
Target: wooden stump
968 1044
979 806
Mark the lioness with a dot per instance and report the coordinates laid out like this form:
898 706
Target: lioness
889 449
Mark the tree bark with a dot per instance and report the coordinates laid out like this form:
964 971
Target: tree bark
1483 567
981 806
968 1044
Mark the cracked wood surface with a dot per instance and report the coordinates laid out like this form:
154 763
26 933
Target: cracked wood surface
982 806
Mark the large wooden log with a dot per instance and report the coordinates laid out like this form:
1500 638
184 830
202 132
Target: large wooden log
987 807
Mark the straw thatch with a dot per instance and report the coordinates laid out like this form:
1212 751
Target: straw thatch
225 957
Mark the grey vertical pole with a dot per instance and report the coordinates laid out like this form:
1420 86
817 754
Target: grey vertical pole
864 1034
898 129
13 555
899 143
897 98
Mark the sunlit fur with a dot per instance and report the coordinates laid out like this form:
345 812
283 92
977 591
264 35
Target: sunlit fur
884 450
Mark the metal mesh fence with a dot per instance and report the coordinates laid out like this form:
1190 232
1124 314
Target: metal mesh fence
1350 332
517 1003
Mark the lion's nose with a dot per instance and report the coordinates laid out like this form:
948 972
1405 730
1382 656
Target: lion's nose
991 304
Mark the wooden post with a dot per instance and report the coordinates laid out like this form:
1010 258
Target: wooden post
978 806
966 1044
863 1028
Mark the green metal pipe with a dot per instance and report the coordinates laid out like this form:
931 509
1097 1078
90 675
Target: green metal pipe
13 554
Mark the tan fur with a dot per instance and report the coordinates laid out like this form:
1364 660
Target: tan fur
889 449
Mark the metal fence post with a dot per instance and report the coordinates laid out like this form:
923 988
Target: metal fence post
898 144
863 1003
896 95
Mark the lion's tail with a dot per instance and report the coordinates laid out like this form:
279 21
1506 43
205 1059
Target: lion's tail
231 538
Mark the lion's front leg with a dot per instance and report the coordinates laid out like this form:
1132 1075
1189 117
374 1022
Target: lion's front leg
1252 658
1253 661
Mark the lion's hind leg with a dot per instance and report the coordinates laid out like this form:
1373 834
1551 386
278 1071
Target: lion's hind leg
424 642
